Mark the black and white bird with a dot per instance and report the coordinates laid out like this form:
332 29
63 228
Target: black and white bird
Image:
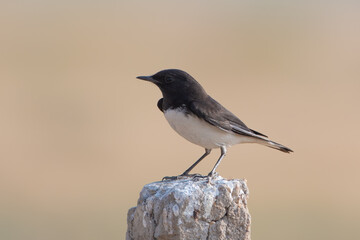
200 119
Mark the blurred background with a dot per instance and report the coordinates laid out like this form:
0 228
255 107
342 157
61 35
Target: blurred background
80 136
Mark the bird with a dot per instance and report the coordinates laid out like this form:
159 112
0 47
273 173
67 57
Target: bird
200 119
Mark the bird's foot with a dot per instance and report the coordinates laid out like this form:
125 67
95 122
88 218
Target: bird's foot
172 178
199 176
184 176
213 174
208 178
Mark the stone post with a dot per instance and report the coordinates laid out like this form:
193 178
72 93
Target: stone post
206 209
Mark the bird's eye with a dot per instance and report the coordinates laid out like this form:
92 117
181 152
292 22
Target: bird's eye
168 79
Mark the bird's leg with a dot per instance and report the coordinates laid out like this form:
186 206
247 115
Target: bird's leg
186 173
223 153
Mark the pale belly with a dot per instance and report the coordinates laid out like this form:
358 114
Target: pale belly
200 132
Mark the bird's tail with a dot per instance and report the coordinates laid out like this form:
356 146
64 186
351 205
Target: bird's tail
277 146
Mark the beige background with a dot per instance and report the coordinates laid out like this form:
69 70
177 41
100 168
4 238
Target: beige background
80 136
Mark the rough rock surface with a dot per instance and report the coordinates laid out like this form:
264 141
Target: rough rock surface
212 209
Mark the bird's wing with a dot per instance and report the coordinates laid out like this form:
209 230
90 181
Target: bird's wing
215 114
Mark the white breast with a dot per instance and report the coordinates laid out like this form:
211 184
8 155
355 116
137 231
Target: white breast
200 132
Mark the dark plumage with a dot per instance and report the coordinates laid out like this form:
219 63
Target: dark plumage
192 112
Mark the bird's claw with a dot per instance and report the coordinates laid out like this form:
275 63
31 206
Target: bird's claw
185 176
172 178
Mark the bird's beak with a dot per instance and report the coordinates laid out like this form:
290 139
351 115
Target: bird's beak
146 78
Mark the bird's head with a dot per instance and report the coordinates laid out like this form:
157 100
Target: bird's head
174 82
